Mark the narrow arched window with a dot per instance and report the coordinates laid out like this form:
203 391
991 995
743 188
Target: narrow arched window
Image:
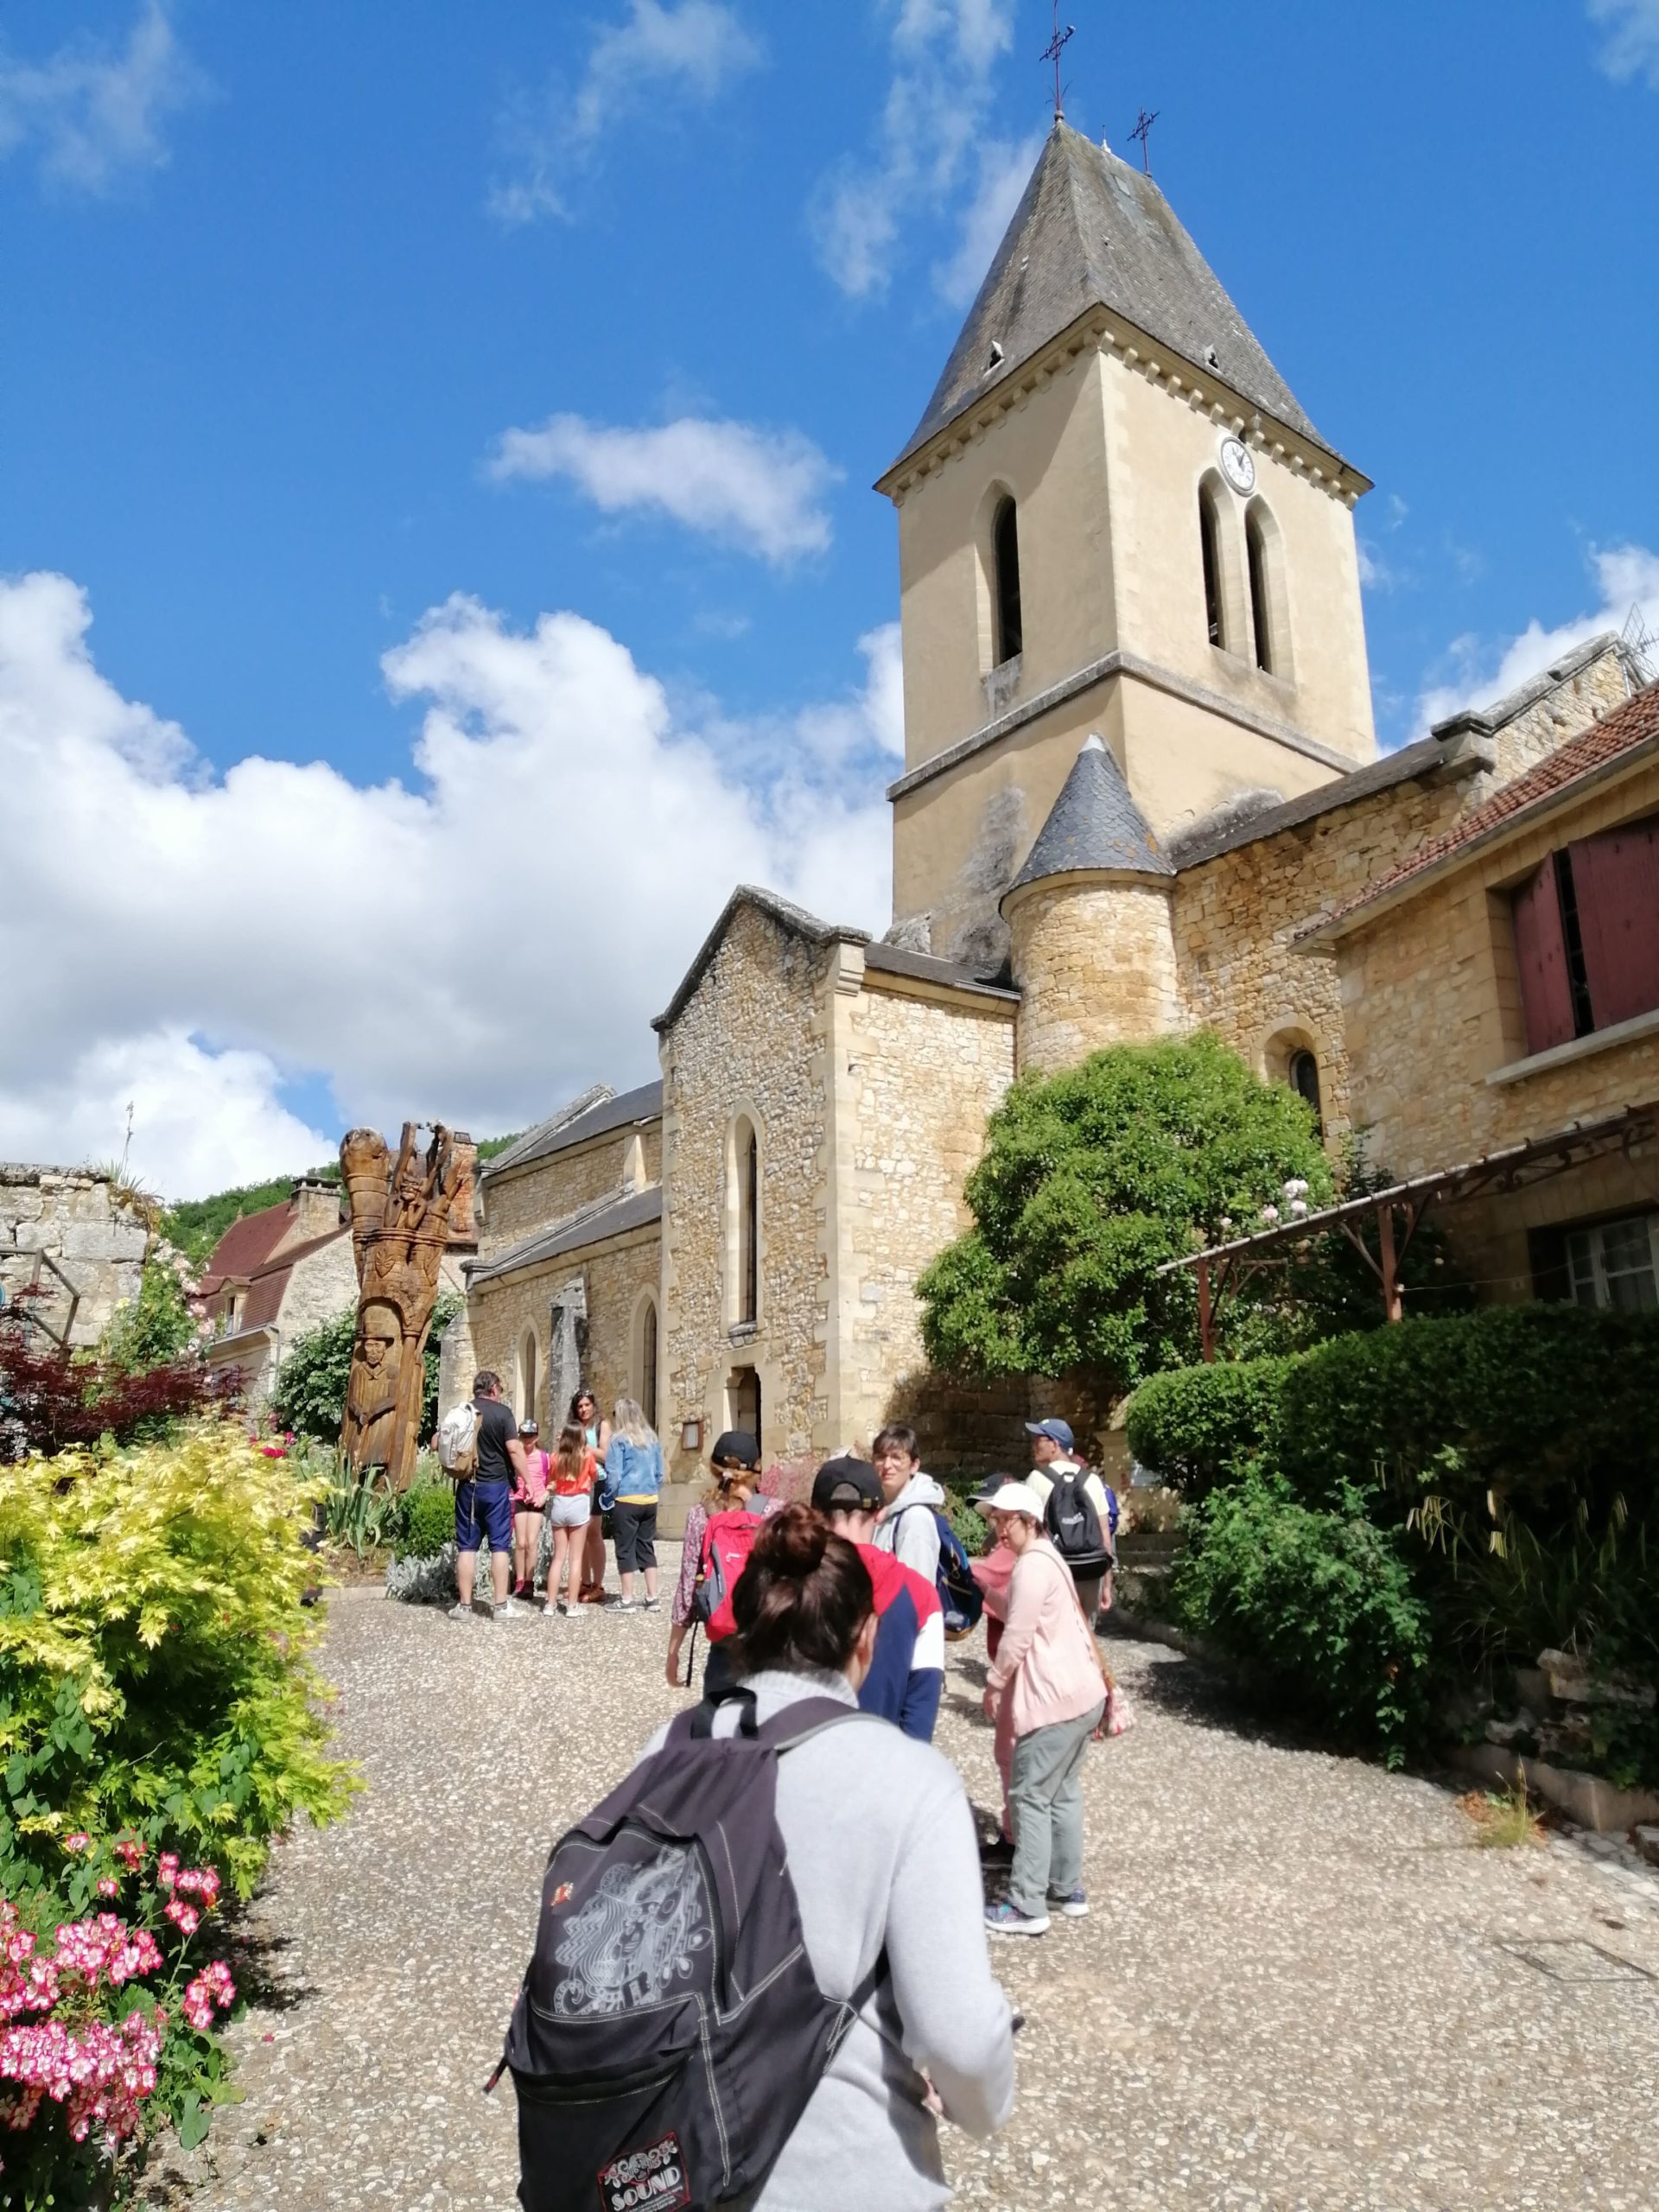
527 1377
647 1390
1005 555
1256 546
1304 1074
749 1262
1210 549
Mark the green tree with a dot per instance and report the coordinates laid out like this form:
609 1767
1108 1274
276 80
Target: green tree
1090 1179
310 1393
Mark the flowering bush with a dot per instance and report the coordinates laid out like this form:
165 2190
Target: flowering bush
106 2026
155 1679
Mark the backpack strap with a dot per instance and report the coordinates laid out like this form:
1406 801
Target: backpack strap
806 1718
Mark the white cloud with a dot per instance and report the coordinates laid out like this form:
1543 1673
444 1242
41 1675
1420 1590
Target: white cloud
694 49
1003 171
1627 582
93 113
861 734
476 943
1632 47
761 491
944 54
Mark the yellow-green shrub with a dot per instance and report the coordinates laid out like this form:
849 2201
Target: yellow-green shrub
154 1667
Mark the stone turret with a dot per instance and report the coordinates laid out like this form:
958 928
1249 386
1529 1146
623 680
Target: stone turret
1094 951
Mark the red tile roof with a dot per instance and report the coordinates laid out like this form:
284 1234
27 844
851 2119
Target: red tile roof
1634 723
247 1244
269 1283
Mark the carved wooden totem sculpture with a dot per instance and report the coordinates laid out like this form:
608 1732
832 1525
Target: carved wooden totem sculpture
403 1212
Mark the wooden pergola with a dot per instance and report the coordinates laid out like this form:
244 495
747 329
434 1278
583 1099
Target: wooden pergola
1397 1212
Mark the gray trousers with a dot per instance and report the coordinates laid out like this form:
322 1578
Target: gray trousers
1046 1797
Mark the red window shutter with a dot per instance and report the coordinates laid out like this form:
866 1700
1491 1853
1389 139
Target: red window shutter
1541 961
1616 876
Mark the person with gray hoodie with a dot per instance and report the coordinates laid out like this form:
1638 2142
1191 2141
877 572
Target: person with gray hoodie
907 1528
882 1855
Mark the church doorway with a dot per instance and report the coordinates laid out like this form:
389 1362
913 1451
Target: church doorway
743 1402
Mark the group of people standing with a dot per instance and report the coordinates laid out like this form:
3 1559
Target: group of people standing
839 1600
533 1505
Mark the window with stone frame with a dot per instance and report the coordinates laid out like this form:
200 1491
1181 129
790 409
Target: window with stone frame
1210 558
1009 633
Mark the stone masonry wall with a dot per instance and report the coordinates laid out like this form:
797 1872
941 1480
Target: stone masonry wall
925 1077
613 1275
1096 965
1235 917
320 1288
534 1198
750 1039
1433 1009
61 1226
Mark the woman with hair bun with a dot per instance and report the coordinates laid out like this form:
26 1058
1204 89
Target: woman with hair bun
884 1861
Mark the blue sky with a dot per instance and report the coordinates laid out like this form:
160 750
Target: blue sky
284 282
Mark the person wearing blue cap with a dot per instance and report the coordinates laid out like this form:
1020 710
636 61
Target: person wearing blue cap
1055 1462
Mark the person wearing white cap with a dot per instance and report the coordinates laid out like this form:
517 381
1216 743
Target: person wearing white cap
1047 1692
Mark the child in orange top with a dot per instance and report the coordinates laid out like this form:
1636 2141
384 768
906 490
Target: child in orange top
569 1506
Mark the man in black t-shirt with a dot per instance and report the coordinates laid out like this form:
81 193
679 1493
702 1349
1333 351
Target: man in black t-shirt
484 1501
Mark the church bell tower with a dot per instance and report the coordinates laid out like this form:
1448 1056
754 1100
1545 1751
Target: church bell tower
1114 518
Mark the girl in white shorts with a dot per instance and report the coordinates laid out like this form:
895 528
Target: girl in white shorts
569 1506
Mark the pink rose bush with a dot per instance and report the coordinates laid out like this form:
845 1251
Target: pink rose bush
96 2012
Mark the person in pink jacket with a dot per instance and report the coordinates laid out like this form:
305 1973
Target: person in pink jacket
1046 1693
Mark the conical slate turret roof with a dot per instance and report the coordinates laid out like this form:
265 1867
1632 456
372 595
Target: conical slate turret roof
1094 823
1092 230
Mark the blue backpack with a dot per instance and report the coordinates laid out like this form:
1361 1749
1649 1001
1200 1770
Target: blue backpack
961 1599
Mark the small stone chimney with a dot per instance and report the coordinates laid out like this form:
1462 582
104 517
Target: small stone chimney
317 1208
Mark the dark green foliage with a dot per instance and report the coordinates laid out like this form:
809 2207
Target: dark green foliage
310 1394
488 1146
196 1225
429 1523
1318 1608
1090 1179
1196 1427
1545 1403
153 1329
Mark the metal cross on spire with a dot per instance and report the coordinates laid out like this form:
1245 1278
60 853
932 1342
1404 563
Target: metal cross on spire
1142 130
1053 52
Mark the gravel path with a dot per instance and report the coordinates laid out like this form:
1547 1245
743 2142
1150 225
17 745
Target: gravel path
1298 1987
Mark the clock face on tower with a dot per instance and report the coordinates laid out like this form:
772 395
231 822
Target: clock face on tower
1237 465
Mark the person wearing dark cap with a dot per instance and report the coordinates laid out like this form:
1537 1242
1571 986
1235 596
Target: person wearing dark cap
732 1464
1053 1455
906 1671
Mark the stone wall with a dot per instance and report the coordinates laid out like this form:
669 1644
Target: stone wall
610 1277
60 1227
921 1076
751 1038
1095 960
526 1199
320 1288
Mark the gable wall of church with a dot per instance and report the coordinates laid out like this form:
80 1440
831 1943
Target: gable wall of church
519 1205
750 1039
613 1277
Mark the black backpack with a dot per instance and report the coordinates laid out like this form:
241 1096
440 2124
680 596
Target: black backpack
1074 1526
671 2030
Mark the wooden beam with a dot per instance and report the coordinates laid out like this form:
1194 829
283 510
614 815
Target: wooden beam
1207 1317
1390 1273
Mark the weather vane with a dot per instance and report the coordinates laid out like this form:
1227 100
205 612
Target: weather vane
1142 130
1053 52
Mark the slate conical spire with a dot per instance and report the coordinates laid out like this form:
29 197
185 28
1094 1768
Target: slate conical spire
1092 230
1093 825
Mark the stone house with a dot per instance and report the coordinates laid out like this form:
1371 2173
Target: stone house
1140 779
272 1275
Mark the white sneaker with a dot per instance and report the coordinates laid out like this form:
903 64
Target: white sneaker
510 1609
459 1612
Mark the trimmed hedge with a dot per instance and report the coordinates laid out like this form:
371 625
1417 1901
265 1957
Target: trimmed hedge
1196 1427
429 1523
1544 1403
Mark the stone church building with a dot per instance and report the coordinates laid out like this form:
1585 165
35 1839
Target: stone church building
1142 795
